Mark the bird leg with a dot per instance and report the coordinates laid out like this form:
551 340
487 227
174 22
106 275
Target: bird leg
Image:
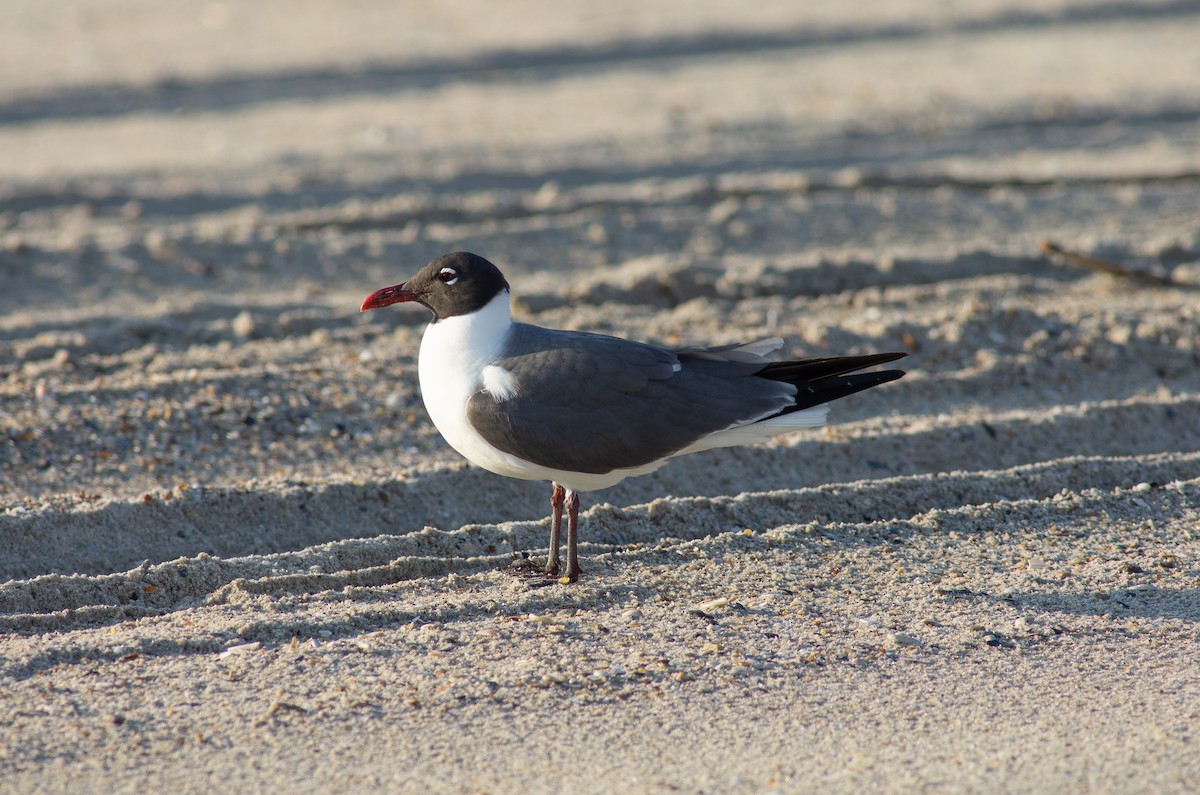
557 498
573 570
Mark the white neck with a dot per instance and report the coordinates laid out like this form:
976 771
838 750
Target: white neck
471 338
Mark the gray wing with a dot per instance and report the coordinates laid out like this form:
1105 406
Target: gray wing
593 403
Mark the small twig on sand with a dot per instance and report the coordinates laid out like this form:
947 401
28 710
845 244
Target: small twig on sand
1103 266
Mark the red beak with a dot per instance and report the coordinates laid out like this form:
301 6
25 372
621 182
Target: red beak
388 296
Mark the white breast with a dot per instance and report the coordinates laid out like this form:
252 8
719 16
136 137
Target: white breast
455 362
454 353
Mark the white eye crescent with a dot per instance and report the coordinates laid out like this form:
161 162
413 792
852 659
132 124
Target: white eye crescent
447 276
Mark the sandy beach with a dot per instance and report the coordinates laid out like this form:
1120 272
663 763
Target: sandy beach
235 554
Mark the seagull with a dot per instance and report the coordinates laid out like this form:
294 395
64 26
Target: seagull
585 411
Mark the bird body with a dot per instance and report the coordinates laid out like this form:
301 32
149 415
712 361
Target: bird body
474 368
586 411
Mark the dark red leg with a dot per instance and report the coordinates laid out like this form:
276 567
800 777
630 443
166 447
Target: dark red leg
557 498
573 570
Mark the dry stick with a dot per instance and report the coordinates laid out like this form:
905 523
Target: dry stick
1103 266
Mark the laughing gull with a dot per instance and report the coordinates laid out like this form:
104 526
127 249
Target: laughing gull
585 411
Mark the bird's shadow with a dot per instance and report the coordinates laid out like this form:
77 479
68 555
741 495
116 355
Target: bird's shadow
1140 601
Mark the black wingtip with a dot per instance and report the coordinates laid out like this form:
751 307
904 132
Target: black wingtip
891 356
827 390
800 371
824 380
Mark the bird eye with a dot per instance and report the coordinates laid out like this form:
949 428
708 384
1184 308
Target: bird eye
447 276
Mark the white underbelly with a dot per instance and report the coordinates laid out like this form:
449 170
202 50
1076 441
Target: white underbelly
446 401
454 352
449 367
